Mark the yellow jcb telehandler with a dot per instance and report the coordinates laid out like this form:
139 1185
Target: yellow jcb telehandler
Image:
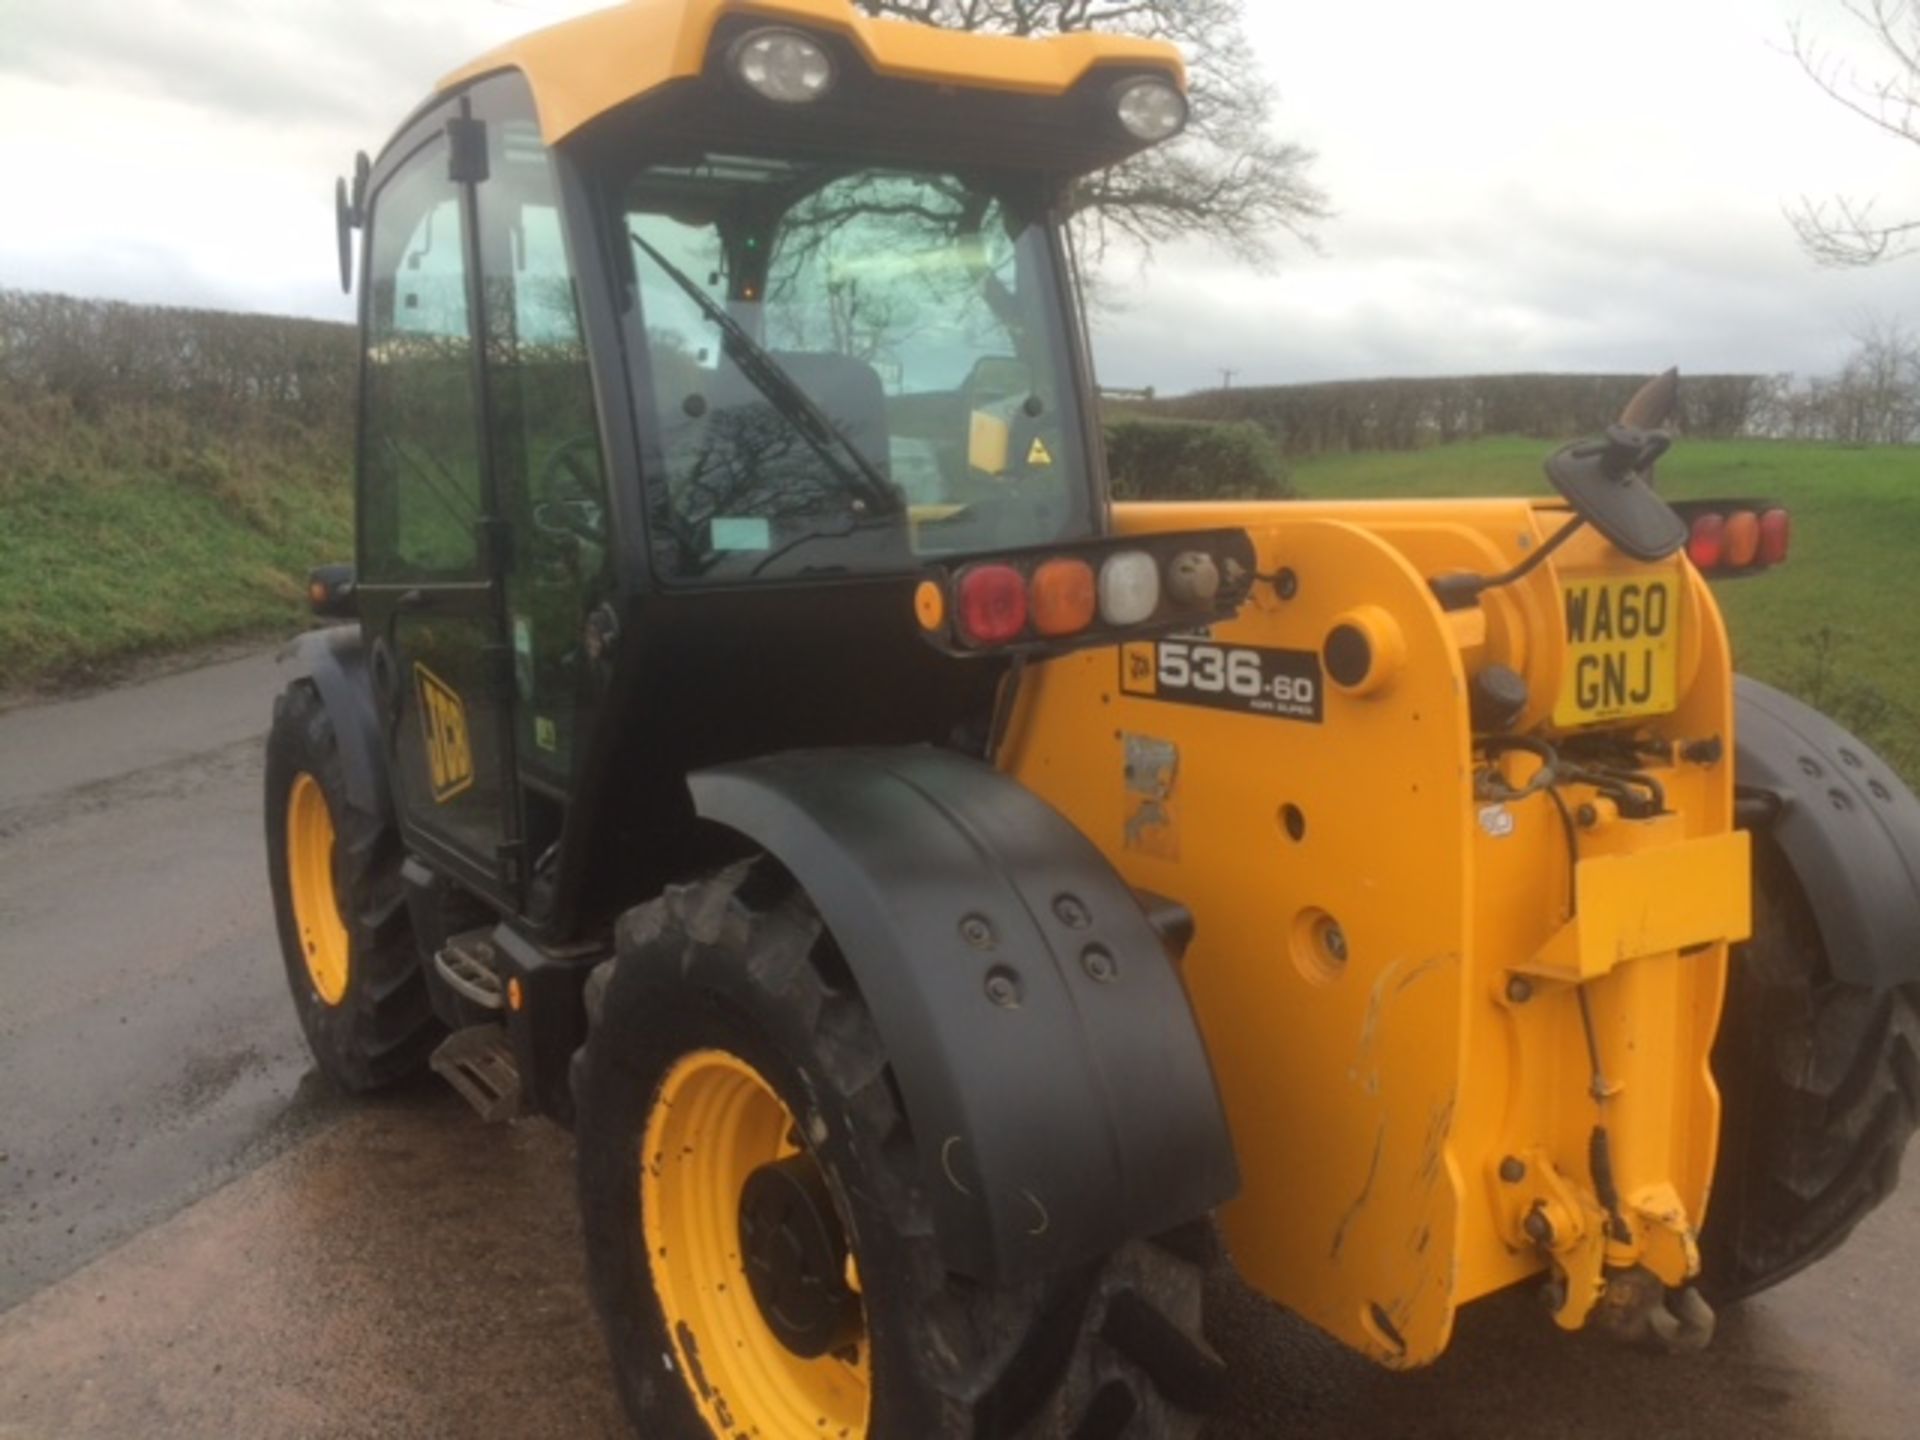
941 901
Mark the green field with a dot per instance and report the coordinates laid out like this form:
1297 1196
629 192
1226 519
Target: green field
136 532
1839 624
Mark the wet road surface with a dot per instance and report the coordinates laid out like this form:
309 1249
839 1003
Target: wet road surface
196 1240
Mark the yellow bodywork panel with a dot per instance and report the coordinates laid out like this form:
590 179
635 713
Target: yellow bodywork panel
583 68
1651 902
1386 953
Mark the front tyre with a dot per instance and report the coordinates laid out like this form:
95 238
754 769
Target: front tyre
340 907
759 1250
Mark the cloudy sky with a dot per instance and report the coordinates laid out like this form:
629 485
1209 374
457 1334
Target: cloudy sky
1521 184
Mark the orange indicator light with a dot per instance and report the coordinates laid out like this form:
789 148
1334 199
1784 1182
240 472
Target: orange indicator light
930 606
1065 597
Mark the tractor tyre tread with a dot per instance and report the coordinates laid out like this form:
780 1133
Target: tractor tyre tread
383 1031
1060 1359
1820 1082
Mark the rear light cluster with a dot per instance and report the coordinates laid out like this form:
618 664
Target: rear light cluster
1736 537
1097 593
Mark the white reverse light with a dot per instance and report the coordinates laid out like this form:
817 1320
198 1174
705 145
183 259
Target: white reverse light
1152 110
1129 588
783 65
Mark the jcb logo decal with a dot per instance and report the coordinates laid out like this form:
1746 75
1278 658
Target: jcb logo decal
1140 669
449 749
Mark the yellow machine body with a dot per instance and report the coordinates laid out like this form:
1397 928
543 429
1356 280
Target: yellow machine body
1388 964
582 69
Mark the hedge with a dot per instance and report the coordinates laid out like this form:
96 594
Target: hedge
1155 459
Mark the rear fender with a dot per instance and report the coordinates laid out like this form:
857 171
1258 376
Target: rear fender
335 661
1846 825
1060 1095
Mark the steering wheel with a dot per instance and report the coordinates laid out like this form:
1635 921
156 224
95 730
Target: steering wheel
570 483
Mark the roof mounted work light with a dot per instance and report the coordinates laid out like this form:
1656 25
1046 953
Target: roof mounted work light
784 66
1151 109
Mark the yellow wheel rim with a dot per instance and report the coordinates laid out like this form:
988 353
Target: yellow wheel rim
316 904
714 1122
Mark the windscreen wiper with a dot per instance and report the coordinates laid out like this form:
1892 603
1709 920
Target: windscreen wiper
785 393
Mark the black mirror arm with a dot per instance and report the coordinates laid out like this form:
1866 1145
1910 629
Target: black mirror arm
1463 592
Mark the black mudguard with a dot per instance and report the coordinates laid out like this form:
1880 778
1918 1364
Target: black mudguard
336 662
1848 827
1057 1113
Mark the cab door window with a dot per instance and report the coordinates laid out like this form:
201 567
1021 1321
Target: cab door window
546 450
421 439
429 607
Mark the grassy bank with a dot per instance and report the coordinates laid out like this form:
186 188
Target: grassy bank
133 531
1839 625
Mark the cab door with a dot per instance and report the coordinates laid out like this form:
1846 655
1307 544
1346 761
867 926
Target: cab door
430 583
560 581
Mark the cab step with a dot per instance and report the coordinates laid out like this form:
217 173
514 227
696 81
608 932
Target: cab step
478 1062
470 964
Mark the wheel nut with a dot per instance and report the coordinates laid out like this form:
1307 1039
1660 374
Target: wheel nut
978 934
1099 965
1068 910
1003 989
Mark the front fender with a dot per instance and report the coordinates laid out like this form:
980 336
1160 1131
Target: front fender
1059 1092
1848 827
335 661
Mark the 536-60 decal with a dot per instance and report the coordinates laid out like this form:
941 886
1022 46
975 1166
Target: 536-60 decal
1284 684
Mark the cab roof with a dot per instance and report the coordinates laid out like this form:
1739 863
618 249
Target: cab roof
586 67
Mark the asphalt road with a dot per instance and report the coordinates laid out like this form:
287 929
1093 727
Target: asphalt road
197 1240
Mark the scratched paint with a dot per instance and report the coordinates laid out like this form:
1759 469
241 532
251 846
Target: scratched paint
1152 774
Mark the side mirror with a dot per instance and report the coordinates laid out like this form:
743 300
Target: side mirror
331 593
1609 484
350 213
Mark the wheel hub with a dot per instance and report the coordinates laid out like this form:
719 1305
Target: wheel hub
310 884
795 1255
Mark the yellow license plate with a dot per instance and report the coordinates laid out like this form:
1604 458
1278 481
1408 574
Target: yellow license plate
1623 648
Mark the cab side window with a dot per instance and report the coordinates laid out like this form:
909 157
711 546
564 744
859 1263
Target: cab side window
421 438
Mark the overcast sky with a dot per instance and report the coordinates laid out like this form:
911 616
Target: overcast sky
1521 184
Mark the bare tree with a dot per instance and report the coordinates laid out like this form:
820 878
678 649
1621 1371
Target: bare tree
1877 397
1228 178
1845 231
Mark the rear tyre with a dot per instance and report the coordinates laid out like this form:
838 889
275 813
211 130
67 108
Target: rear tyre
341 909
735 980
1820 1082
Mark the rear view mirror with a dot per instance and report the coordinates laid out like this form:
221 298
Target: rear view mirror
996 378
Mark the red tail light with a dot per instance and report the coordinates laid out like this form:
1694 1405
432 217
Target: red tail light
1743 540
1776 537
1728 539
1708 542
993 604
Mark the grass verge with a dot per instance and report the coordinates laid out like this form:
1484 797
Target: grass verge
133 532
